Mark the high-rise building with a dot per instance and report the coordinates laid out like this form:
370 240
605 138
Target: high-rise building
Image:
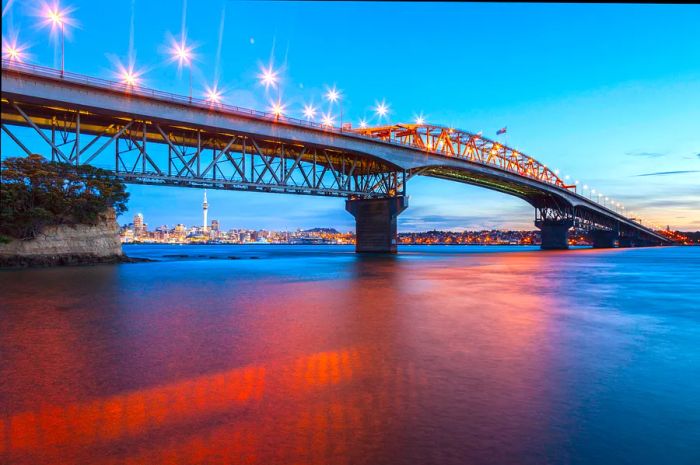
138 224
205 207
215 225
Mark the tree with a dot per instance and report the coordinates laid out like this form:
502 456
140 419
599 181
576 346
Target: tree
35 193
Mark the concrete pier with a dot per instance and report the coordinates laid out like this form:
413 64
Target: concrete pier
554 234
375 223
603 238
626 241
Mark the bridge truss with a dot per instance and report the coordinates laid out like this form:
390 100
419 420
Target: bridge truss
159 152
465 145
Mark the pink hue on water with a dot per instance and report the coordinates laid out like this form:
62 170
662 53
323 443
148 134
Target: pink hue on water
313 355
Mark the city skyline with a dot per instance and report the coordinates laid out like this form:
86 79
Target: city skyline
616 111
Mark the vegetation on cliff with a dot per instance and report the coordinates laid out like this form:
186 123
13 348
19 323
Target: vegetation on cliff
35 193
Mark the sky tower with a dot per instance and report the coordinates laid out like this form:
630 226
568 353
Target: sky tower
205 207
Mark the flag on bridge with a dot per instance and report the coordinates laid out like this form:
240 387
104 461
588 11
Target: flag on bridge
501 131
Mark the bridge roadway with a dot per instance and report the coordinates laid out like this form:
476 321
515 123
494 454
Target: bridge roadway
165 139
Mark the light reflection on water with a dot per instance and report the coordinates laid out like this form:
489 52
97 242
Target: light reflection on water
315 355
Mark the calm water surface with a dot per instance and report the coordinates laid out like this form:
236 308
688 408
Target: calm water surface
313 355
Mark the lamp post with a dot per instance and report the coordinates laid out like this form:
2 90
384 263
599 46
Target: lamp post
56 18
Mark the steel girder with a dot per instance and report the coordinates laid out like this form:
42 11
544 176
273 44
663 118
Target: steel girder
153 152
465 145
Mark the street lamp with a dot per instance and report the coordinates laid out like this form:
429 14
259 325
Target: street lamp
183 54
309 112
381 109
333 96
57 19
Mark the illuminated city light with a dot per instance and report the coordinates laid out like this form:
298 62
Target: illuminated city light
309 112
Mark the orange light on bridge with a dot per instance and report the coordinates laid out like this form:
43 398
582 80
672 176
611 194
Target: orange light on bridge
277 108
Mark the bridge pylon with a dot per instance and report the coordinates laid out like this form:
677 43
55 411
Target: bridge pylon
604 238
375 223
554 225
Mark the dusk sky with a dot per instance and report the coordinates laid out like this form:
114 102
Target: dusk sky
607 94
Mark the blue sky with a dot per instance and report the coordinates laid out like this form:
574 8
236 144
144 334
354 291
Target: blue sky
609 94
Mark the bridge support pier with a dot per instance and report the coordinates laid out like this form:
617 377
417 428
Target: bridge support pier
603 238
554 233
625 242
375 223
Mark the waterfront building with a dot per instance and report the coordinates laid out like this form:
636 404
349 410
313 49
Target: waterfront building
139 227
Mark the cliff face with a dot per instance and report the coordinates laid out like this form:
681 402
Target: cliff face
67 245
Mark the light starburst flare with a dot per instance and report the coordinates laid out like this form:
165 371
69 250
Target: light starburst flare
420 119
332 95
268 77
381 109
55 16
309 112
328 120
363 123
277 108
13 51
213 95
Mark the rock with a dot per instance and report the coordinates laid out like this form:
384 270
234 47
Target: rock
61 245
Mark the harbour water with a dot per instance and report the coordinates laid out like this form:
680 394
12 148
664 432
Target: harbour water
314 355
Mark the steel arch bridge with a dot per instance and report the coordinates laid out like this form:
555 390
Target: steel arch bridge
151 137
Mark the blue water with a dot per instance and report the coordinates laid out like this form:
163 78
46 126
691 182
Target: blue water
315 355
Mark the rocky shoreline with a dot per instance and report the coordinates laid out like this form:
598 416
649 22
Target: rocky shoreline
68 245
44 261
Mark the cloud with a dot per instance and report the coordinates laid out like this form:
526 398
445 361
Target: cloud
646 154
664 173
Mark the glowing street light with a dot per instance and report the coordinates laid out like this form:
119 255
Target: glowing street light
268 77
363 123
58 19
182 53
381 109
328 120
277 108
309 112
420 120
129 78
333 96
12 51
213 95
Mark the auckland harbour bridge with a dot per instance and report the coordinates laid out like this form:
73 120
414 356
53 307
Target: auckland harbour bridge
149 137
